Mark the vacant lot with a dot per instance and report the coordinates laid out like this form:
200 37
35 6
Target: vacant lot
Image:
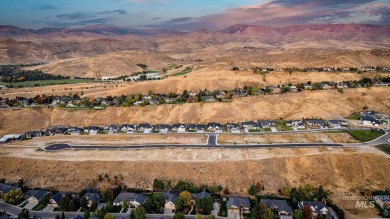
286 138
120 139
47 82
384 147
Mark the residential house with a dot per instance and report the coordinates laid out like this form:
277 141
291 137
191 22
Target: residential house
341 85
34 134
36 196
179 128
55 199
238 94
307 86
295 124
336 123
368 68
200 195
293 88
213 126
368 113
57 130
266 123
11 137
251 125
162 128
220 94
5 188
237 206
279 206
209 99
346 69
111 129
325 86
74 130
170 199
91 197
380 83
369 120
317 208
133 199
318 123
92 130
169 100
128 128
145 128
154 102
233 127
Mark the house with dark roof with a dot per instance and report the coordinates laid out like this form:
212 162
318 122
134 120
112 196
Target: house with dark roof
369 120
317 208
91 197
74 130
170 199
280 206
318 123
237 206
145 127
133 199
34 134
251 125
266 123
57 130
55 199
336 123
295 124
4 188
128 128
200 195
213 126
11 137
179 128
162 128
92 130
233 127
36 196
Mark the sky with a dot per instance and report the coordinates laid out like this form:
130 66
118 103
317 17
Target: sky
188 15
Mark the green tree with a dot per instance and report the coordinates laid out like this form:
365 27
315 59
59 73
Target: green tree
286 191
108 216
58 216
179 216
132 214
179 205
252 190
298 214
24 214
13 197
186 197
87 214
211 216
198 216
63 215
204 205
140 213
268 214
125 204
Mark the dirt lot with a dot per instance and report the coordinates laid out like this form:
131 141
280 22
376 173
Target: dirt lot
339 169
286 138
318 104
118 139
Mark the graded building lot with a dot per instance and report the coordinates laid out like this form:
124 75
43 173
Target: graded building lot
338 169
116 140
329 137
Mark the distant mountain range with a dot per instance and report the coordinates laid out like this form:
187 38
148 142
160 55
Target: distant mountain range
238 29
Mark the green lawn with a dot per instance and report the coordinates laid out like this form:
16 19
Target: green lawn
364 135
184 72
46 82
384 147
354 116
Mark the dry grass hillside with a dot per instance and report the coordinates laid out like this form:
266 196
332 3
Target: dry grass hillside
109 64
321 104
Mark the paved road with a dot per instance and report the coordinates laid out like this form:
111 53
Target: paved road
56 147
212 139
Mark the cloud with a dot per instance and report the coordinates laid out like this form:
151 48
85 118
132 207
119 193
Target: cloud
45 7
279 13
75 16
112 12
97 21
157 18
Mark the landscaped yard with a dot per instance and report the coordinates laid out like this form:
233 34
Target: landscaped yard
364 135
354 116
384 147
183 72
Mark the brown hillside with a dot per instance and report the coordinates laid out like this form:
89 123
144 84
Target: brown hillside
320 104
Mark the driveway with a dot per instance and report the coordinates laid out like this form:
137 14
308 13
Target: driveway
273 129
30 206
48 208
216 208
